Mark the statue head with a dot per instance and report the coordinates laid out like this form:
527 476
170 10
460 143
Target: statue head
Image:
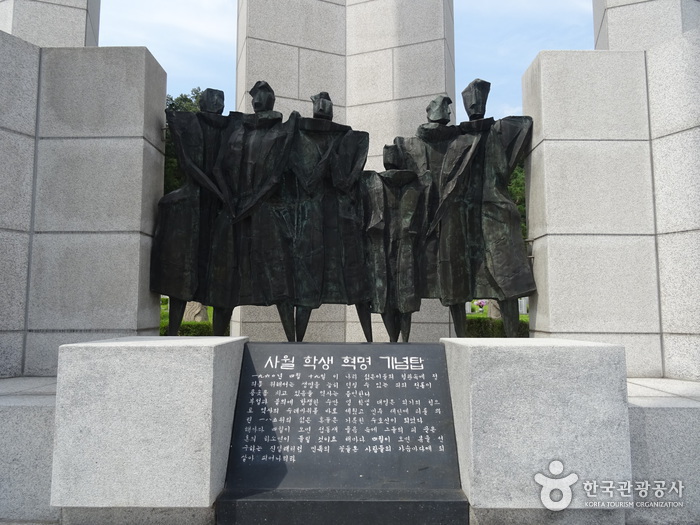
439 109
475 96
323 106
212 101
263 96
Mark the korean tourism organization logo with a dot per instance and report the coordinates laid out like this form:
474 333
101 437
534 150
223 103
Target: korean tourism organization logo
557 491
552 486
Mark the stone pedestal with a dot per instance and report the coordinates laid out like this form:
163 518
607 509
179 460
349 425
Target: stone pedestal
520 405
26 438
144 422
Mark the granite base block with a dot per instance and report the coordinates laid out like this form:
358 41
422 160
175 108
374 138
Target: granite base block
664 448
545 517
41 353
144 421
519 405
11 350
137 516
26 436
681 358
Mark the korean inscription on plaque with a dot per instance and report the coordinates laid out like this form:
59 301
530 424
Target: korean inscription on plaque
324 415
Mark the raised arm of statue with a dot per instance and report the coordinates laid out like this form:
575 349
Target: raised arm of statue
515 134
349 159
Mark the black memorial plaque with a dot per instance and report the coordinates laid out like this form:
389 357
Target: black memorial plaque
339 416
343 422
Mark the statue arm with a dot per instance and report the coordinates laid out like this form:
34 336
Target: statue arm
349 160
515 134
456 177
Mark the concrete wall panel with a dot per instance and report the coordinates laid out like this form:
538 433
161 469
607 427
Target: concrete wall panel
17 175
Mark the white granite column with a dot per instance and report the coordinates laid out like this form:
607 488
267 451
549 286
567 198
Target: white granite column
58 23
611 193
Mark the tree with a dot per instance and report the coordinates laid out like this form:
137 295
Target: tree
173 176
516 188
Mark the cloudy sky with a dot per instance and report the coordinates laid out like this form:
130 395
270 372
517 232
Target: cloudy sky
195 41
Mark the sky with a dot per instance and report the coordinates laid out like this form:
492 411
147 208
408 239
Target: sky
496 40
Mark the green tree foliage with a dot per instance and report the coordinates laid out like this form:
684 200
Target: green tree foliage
516 188
173 176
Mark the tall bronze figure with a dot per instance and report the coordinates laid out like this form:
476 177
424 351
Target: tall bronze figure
394 211
442 156
182 238
502 269
325 166
252 254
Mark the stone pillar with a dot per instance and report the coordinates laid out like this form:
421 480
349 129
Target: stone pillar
400 55
610 193
674 91
58 23
81 132
381 61
19 87
97 180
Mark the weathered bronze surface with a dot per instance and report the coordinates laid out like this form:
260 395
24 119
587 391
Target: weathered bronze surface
281 213
182 238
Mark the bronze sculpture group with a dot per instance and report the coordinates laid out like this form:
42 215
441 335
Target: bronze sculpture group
282 213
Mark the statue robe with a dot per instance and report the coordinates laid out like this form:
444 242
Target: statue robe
253 245
442 157
394 218
310 171
504 271
182 238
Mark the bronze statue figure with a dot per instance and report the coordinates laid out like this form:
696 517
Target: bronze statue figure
326 162
502 268
395 240
182 238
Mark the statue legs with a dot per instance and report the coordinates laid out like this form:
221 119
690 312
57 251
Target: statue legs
222 320
286 312
510 316
303 314
459 319
176 310
364 312
295 320
392 323
405 326
397 324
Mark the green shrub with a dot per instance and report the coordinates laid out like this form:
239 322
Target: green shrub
487 327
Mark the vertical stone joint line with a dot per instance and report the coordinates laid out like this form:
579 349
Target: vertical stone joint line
32 217
87 27
654 211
